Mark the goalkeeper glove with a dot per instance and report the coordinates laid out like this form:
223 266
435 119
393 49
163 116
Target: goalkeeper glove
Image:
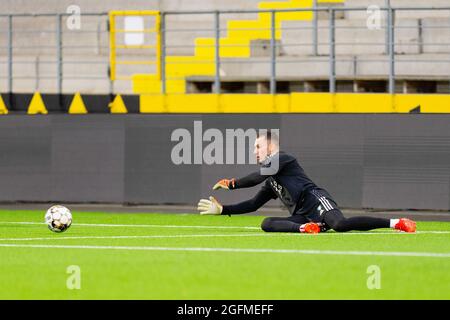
225 184
211 206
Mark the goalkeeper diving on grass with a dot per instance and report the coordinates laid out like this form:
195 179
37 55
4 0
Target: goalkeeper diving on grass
312 209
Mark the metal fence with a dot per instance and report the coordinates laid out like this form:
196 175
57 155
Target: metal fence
49 56
39 52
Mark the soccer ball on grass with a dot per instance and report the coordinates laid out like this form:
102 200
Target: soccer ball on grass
58 218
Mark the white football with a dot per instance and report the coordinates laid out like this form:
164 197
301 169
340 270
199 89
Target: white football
58 218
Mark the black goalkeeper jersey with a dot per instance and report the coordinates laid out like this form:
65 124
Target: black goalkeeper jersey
289 183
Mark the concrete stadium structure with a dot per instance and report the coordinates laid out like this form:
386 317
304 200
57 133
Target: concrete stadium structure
421 38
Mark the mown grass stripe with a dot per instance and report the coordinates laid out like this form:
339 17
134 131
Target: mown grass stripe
236 250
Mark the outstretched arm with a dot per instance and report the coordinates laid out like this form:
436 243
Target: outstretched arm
251 180
264 195
254 178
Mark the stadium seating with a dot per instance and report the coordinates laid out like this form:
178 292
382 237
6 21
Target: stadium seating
86 55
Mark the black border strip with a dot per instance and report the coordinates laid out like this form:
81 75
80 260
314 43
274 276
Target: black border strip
18 103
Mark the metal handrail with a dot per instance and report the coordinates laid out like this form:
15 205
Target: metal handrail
272 45
188 12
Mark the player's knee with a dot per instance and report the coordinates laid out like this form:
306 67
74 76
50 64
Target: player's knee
336 221
267 225
340 226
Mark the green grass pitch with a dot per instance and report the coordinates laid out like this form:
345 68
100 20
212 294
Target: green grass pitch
187 256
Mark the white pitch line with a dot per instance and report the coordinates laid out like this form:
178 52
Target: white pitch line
138 237
137 225
381 233
254 234
225 227
238 250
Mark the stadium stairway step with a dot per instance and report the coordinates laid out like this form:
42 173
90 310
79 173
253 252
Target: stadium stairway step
235 44
351 37
193 51
347 66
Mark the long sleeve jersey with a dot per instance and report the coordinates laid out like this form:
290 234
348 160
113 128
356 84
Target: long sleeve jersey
288 183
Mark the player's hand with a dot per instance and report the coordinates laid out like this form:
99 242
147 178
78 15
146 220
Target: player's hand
225 184
211 206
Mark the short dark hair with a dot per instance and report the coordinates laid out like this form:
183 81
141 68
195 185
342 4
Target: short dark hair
270 136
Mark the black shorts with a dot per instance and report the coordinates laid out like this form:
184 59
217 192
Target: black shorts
316 203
